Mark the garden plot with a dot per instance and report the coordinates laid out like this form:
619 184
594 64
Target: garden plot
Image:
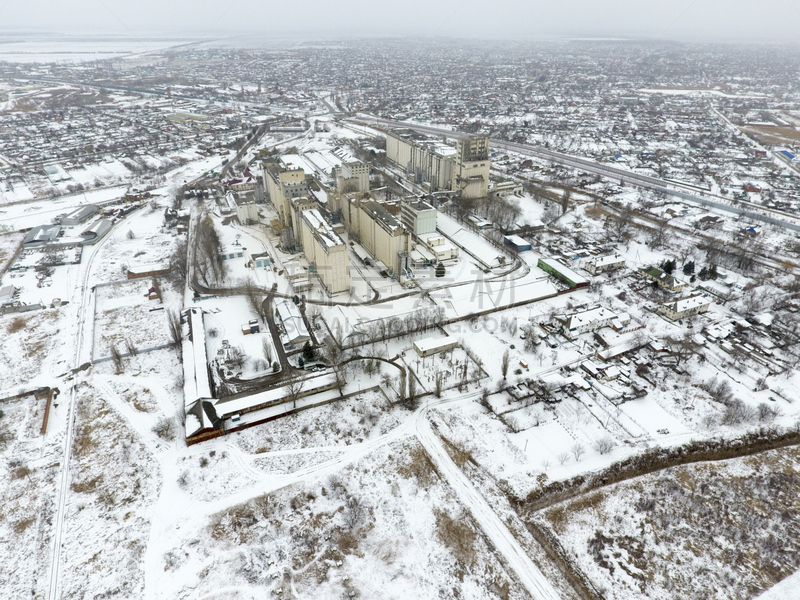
562 441
125 318
445 370
333 427
29 342
29 469
729 526
137 240
113 481
385 527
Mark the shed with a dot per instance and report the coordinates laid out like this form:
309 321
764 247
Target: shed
96 231
293 325
7 294
41 236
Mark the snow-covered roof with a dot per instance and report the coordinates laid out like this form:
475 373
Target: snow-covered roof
321 230
680 306
602 261
433 344
587 317
42 235
565 271
292 321
195 379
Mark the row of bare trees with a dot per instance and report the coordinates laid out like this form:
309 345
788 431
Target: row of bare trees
210 265
415 322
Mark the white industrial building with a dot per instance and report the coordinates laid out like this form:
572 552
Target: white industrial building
439 246
326 252
418 217
352 177
294 328
79 216
378 231
282 185
430 346
437 166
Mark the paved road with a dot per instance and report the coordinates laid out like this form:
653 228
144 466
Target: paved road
673 188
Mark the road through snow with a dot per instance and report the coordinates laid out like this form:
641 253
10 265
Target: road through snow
176 519
503 540
84 319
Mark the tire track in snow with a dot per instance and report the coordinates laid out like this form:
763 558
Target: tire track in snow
495 530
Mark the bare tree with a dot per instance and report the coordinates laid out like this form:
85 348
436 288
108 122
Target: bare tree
353 513
512 327
237 356
562 458
604 445
255 297
177 261
578 450
767 412
174 325
658 235
294 388
622 223
412 389
565 200
116 357
504 364
266 348
209 262
737 412
439 384
131 349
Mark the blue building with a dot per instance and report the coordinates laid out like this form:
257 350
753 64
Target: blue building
517 243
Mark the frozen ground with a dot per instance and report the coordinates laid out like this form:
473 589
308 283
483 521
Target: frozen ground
721 530
365 497
385 527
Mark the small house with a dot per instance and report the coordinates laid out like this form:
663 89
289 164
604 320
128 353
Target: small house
664 280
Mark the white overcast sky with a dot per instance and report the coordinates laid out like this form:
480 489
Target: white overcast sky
717 20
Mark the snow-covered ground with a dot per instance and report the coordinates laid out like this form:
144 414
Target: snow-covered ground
366 496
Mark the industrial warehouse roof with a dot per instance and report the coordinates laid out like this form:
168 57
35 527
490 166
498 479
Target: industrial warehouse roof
564 270
79 214
322 231
382 216
41 235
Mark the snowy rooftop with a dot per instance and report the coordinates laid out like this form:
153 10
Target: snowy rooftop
322 231
688 303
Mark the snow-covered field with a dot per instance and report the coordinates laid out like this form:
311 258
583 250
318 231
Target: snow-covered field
719 530
385 527
369 496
